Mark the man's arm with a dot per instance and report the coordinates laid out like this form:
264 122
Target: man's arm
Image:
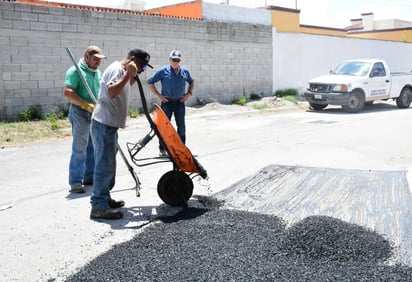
75 99
152 88
191 87
70 94
189 93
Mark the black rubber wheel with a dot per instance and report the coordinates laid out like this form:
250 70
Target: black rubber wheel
404 99
356 102
317 107
175 188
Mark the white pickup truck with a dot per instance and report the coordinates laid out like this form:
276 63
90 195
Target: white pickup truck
355 83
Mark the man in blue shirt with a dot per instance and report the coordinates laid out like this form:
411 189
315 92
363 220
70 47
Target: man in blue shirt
173 78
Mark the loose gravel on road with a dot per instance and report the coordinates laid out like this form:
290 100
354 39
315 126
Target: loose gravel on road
215 244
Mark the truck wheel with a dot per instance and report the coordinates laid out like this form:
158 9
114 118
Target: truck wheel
317 107
404 99
356 101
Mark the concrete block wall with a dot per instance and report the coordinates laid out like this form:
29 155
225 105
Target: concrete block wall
226 59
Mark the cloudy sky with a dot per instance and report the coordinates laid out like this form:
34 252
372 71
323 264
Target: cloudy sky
328 13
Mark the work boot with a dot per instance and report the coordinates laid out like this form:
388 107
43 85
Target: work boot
116 204
78 188
106 214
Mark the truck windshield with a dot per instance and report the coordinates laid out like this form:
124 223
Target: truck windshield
353 68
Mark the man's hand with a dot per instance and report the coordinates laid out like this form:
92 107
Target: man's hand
163 98
87 106
131 69
185 97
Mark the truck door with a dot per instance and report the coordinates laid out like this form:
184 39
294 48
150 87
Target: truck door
379 85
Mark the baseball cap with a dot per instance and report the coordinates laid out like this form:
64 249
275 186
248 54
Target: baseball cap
141 55
175 54
95 51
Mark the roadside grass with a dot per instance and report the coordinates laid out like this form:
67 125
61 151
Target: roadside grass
23 132
291 99
260 106
17 133
55 126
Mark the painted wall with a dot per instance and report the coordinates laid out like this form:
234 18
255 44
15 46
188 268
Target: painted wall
285 20
191 10
400 35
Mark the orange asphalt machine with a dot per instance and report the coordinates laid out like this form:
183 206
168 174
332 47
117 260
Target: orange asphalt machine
175 187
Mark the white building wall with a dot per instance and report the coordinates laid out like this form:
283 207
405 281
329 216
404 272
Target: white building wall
298 58
236 14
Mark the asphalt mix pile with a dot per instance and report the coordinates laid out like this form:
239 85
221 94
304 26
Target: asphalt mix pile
228 245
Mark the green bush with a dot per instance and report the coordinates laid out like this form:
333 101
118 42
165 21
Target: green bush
254 96
239 100
133 113
286 92
56 114
34 112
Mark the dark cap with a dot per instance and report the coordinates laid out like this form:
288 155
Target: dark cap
140 55
95 51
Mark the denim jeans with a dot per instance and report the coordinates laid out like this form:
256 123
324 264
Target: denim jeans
105 149
81 165
178 109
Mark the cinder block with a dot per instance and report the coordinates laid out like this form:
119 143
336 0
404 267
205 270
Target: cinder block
45 84
6 24
12 84
36 76
38 26
12 101
20 76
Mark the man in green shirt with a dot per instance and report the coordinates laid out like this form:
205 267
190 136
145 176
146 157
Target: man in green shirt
81 165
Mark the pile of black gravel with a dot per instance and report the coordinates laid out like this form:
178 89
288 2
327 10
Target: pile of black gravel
331 239
228 245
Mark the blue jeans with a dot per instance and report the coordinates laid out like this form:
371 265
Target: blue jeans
178 109
81 165
105 149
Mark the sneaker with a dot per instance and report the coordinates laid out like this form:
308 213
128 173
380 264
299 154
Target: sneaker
106 214
88 182
78 188
116 204
162 153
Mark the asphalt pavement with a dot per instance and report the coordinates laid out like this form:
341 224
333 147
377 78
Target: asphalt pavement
47 234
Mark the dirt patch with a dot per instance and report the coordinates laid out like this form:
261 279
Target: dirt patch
266 104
